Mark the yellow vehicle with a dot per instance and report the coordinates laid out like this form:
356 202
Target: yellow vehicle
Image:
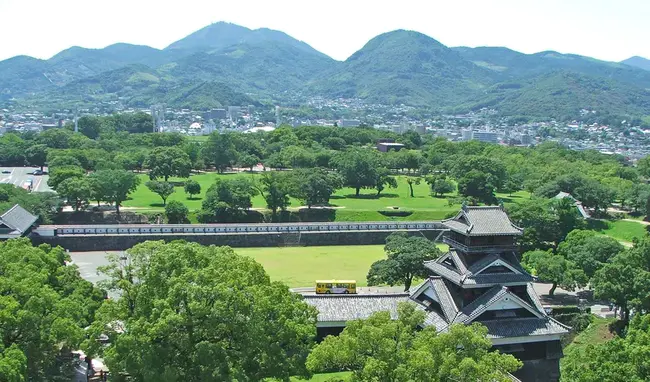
336 287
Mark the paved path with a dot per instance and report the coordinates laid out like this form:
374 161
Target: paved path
19 176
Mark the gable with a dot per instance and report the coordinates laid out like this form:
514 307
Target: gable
497 266
5 227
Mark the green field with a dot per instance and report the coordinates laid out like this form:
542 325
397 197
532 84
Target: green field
596 333
301 266
620 229
349 207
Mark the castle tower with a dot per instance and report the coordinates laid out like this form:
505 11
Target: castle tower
480 280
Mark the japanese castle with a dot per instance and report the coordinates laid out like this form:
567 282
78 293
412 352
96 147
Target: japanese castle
478 280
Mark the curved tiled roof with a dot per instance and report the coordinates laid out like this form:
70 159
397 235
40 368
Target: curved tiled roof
482 221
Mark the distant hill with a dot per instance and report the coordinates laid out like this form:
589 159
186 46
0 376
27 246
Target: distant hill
226 64
404 67
638 62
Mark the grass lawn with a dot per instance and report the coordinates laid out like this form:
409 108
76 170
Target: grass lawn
301 266
596 333
620 229
351 208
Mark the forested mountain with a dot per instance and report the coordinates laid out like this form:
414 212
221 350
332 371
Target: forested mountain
224 64
639 62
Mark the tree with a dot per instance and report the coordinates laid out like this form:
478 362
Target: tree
442 186
314 186
274 188
176 212
219 150
406 257
479 185
76 191
249 161
554 269
192 187
59 174
621 359
113 186
226 199
168 161
384 179
36 155
589 251
643 165
196 313
413 180
358 168
163 189
384 349
45 305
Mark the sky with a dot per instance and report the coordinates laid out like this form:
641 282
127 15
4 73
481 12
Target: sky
610 30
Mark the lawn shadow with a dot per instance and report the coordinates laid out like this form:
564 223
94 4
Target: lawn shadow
194 199
597 225
370 196
156 205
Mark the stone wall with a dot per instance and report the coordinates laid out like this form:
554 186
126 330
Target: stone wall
81 243
539 370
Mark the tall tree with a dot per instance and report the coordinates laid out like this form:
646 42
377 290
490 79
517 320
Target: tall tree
114 186
163 189
413 181
59 174
192 187
36 155
219 150
555 269
314 186
197 313
358 168
405 260
76 191
478 185
385 349
383 180
226 199
44 307
274 188
176 212
588 250
168 161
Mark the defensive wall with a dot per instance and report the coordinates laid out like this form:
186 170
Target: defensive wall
121 237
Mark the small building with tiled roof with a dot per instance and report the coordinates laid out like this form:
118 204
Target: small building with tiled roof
581 209
478 280
16 222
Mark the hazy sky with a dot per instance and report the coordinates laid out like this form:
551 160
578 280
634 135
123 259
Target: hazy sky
606 29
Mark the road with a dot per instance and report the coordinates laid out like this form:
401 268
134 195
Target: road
19 176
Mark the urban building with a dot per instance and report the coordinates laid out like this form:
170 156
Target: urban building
349 123
478 280
387 146
485 136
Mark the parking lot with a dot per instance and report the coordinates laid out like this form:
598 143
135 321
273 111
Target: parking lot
21 176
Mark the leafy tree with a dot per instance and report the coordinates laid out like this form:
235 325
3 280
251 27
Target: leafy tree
314 186
589 251
76 191
198 313
442 186
36 155
406 257
226 199
59 174
411 181
168 161
45 305
384 179
113 186
192 187
219 150
90 126
297 157
555 269
383 349
249 161
274 188
163 189
481 164
55 160
176 212
643 166
478 185
358 168
622 359
411 159
55 138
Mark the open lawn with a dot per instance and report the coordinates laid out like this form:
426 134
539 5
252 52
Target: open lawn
301 266
596 333
619 229
349 207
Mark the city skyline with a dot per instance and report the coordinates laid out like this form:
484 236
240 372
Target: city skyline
601 29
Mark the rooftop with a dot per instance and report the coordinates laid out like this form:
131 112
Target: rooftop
482 221
17 219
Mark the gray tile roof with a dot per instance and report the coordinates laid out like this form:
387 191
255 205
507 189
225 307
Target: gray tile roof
478 306
353 307
487 279
484 262
497 278
482 221
522 327
443 271
18 219
432 318
537 303
446 301
460 263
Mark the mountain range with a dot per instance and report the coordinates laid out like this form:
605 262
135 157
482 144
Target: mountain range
227 64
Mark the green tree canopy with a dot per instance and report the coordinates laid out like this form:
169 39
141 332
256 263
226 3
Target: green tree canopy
192 187
76 191
555 269
274 188
196 313
163 189
176 212
113 186
385 349
219 150
478 185
59 174
314 186
36 155
226 199
406 257
358 168
165 162
588 250
44 306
